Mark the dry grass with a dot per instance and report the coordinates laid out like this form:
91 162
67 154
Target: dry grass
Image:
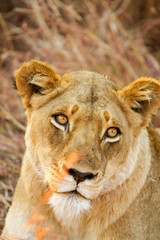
70 36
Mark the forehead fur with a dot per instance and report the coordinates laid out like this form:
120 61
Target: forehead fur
89 87
87 78
91 90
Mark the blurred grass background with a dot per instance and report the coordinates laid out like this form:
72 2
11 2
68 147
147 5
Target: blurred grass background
120 38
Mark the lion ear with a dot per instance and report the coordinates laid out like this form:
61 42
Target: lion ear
35 77
143 97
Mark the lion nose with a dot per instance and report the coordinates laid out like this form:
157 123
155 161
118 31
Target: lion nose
80 176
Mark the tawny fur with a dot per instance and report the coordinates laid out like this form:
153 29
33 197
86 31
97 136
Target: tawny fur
121 201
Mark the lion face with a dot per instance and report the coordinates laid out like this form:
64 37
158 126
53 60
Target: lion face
82 135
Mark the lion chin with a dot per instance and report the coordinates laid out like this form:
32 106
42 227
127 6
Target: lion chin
69 206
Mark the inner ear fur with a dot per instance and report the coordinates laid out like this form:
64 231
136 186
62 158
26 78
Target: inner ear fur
35 77
143 97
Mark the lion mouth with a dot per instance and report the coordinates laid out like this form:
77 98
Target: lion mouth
74 194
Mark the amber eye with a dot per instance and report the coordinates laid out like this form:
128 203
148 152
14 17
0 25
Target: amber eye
61 119
111 133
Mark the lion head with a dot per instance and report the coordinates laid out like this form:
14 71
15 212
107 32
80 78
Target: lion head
84 128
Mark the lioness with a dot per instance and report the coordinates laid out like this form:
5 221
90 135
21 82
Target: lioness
91 170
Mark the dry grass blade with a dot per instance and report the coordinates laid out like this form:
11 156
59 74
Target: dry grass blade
10 118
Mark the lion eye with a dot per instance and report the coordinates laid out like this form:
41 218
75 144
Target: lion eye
61 119
112 134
